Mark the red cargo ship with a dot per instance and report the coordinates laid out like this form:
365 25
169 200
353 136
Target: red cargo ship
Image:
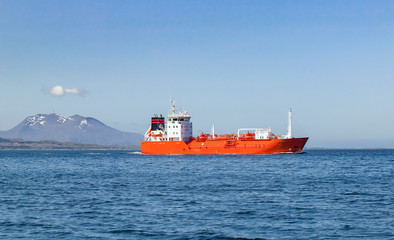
175 137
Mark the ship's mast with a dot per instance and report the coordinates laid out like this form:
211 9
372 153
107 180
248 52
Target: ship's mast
172 106
289 134
213 131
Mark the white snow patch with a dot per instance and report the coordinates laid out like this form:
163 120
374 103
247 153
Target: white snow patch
62 119
33 120
84 124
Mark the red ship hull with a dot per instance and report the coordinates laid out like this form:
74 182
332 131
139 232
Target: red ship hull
221 146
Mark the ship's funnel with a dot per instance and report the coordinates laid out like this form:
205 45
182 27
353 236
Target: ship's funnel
157 123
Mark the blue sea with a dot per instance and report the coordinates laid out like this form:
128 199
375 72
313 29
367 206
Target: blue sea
330 194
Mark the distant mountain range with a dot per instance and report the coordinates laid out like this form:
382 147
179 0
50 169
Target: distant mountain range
77 129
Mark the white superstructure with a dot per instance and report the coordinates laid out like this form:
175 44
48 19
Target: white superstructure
177 128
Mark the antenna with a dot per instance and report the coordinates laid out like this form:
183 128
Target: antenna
172 106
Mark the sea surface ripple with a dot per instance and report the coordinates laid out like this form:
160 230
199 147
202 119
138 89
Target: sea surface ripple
321 194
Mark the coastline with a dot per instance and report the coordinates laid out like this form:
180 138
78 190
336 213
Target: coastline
23 145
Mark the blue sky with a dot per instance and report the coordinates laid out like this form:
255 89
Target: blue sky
229 63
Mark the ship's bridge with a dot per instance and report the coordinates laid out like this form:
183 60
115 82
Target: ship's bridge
179 126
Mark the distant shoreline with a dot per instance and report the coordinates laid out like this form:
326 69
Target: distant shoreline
23 145
322 148
65 149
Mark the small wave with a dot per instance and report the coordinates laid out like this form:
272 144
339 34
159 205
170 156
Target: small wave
125 231
140 232
134 153
246 212
219 236
357 193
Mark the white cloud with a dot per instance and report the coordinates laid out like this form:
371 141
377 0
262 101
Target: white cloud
72 90
60 91
57 91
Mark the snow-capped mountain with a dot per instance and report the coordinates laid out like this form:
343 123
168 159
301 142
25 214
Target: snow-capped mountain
76 128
